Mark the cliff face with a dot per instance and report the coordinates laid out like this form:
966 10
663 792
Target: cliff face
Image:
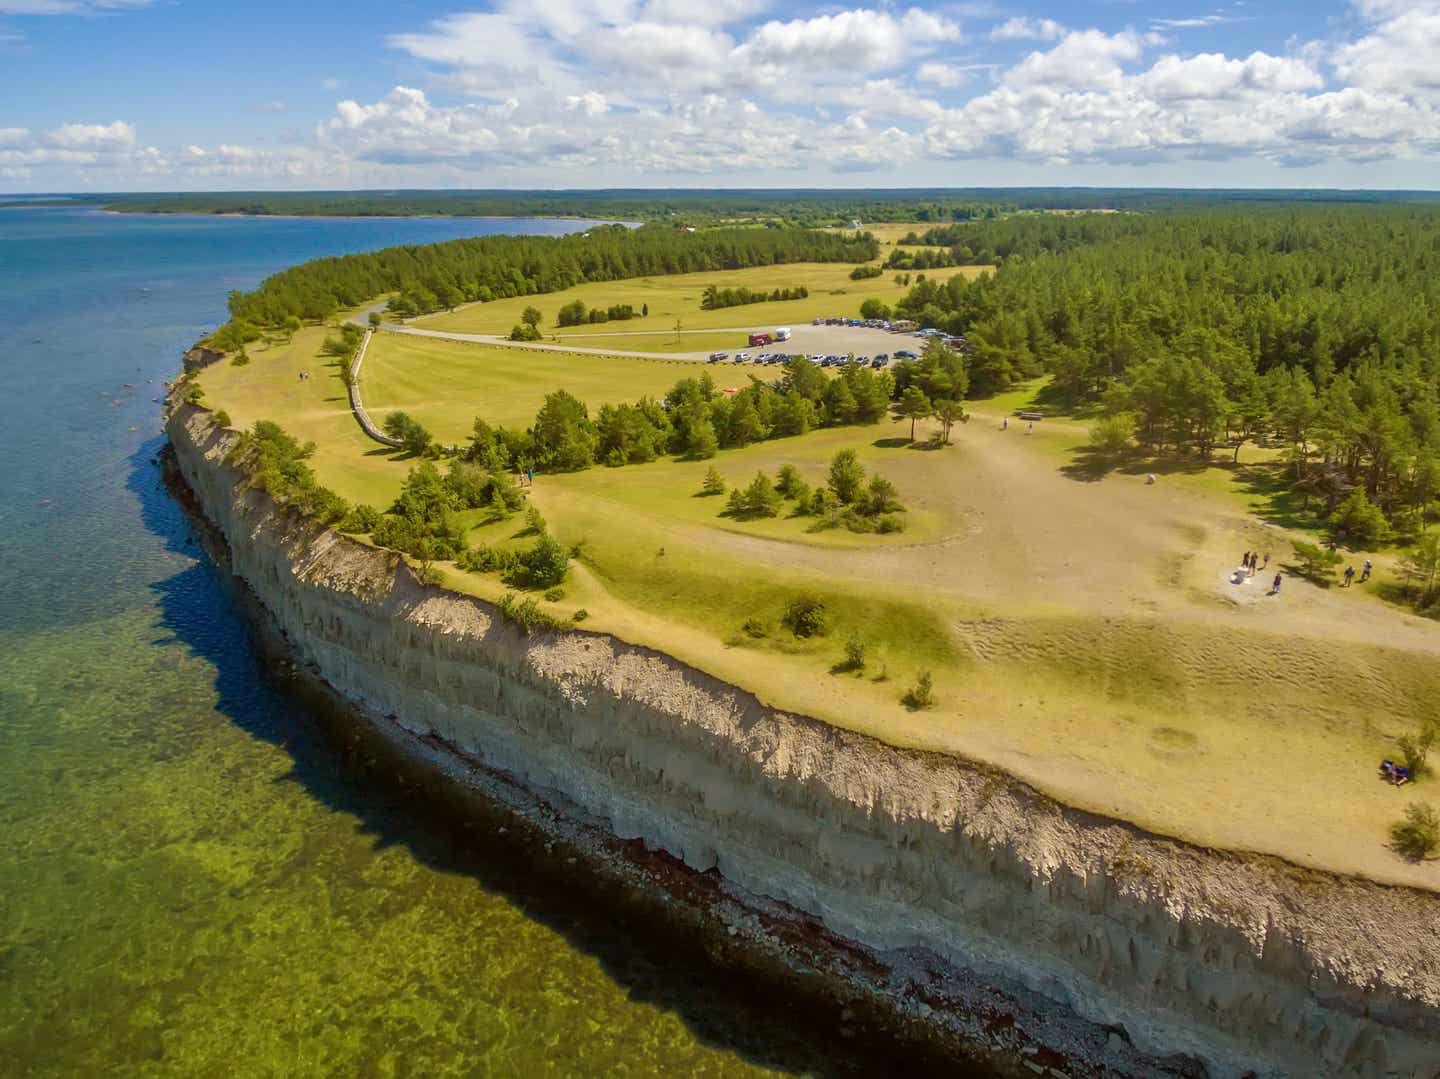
1246 962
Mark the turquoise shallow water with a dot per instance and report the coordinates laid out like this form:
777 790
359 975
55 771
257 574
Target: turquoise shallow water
195 878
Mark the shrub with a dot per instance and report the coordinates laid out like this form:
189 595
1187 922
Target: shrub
1317 563
429 574
572 314
580 615
805 615
221 417
1415 749
1113 435
523 331
921 694
1417 837
546 563
756 628
526 614
414 439
789 483
361 518
854 653
713 484
890 523
554 595
240 359
758 499
194 393
534 522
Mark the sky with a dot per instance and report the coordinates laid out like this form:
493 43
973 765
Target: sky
146 95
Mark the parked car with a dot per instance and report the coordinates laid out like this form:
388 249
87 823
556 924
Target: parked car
742 357
717 357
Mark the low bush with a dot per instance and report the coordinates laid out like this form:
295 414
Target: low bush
523 331
360 519
756 628
921 694
1417 837
789 483
554 595
855 650
534 523
240 359
526 614
1317 564
805 615
221 417
580 615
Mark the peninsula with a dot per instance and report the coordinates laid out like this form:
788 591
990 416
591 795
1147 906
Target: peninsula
979 588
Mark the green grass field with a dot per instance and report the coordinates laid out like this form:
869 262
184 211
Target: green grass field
1079 627
723 341
446 384
677 298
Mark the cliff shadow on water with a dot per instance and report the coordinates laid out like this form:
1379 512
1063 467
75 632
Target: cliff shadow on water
658 944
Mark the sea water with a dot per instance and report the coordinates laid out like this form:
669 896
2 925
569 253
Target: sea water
194 877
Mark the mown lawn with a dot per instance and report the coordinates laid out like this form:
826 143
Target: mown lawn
676 297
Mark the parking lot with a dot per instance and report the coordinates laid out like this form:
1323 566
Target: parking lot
829 341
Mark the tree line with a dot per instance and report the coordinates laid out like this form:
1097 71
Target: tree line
715 296
437 276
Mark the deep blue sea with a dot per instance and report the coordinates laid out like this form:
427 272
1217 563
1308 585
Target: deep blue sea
198 874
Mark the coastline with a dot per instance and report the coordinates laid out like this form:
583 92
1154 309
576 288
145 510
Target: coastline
1246 962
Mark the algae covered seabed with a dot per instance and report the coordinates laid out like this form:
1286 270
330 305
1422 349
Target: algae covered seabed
201 873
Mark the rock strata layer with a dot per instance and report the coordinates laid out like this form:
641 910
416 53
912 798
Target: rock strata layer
1245 962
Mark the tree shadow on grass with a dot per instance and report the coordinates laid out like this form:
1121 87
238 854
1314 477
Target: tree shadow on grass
893 443
769 1018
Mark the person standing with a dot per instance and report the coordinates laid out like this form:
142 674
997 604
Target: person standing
1349 576
1275 586
1365 571
1267 561
1005 424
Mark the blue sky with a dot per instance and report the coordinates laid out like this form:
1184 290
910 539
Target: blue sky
180 94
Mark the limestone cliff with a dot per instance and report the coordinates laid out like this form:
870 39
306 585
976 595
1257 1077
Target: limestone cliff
1246 962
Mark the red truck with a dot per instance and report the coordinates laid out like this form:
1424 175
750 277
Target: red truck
758 340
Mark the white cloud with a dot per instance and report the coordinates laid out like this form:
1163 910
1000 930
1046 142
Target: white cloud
1024 28
69 7
583 91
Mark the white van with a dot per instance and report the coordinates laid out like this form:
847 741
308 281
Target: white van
783 333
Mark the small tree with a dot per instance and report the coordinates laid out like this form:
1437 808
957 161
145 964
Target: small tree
414 439
949 412
789 483
1420 570
847 476
531 317
913 406
921 694
1417 837
1415 748
534 522
854 653
644 310
714 483
1317 563
291 325
1357 521
375 319
1113 435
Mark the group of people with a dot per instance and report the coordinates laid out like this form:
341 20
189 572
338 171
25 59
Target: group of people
1394 773
1364 574
1250 562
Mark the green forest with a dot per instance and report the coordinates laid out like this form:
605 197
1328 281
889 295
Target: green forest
440 276
814 207
1314 328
